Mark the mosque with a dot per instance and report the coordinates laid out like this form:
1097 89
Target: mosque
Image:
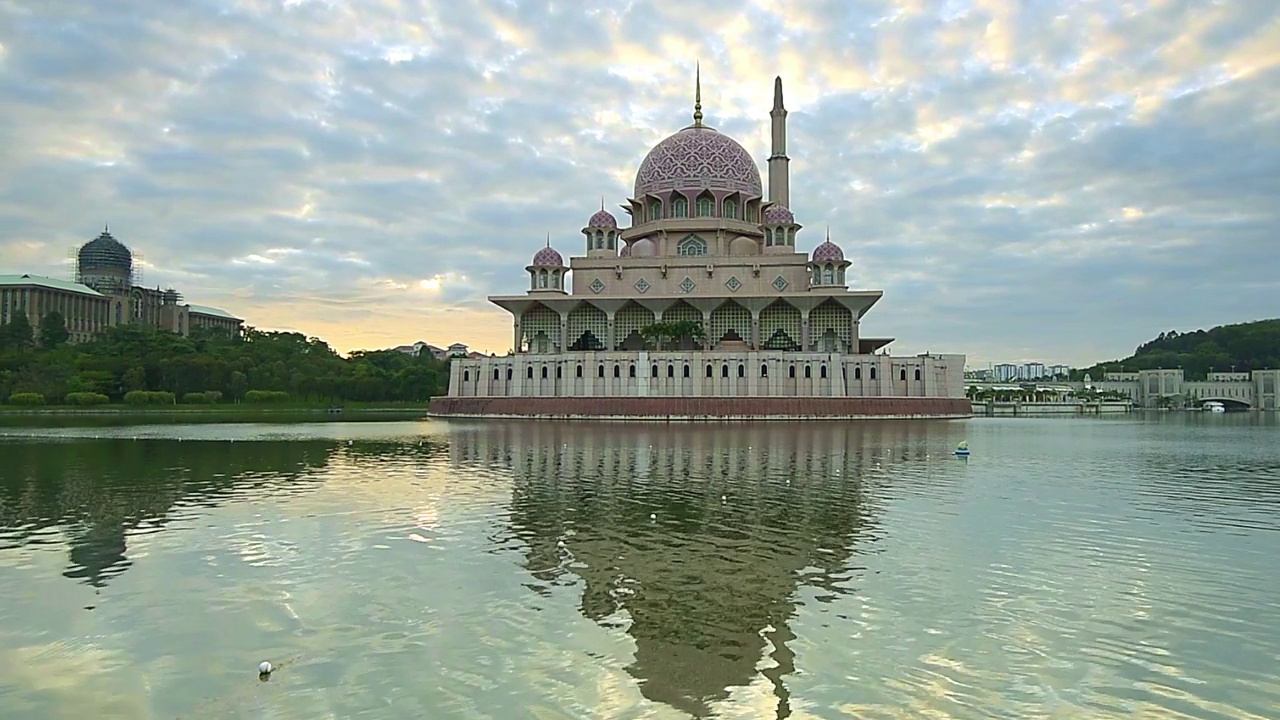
701 308
106 293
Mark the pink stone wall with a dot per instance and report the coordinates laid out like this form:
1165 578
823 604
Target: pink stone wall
655 408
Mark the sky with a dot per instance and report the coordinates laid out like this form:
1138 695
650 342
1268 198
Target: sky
1051 180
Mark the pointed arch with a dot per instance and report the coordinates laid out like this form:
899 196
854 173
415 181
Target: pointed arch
627 322
730 323
679 206
833 324
780 326
692 245
540 329
588 328
706 204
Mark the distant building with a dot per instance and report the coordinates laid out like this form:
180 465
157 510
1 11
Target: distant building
1005 372
1152 388
104 294
454 350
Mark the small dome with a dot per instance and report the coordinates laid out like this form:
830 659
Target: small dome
603 219
828 252
778 215
548 257
105 251
743 245
643 247
625 252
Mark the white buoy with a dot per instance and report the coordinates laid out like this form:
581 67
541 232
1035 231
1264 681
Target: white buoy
265 668
724 498
653 516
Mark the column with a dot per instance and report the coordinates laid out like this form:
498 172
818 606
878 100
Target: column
804 331
755 330
515 343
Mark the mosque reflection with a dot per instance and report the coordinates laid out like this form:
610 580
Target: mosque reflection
694 538
100 492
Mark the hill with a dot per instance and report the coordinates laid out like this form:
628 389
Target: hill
1243 346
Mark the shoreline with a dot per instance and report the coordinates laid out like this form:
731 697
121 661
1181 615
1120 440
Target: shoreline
11 410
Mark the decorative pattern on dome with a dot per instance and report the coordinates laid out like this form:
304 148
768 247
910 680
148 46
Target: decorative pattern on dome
549 257
778 215
828 252
597 286
695 158
642 285
603 219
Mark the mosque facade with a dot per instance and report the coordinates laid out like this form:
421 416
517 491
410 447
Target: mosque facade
105 293
700 307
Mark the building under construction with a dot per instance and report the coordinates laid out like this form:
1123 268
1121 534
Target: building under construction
106 292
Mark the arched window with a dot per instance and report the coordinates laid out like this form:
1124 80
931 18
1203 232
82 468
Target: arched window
768 237
655 371
706 207
808 372
599 240
466 375
559 372
631 371
510 372
731 209
600 371
655 210
822 372
873 373
742 370
917 373
791 372
752 213
671 371
692 245
828 275
529 372
857 373
544 372
617 371
680 207
495 374
764 371
902 374
710 372
579 371
724 371
686 371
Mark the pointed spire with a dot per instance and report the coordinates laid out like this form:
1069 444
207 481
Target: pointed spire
828 233
697 94
549 238
777 93
601 203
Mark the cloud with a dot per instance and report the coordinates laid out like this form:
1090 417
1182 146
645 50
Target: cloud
1055 180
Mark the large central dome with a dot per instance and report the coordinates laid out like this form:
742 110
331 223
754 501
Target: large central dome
698 158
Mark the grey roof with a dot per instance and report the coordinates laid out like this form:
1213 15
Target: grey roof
213 311
48 282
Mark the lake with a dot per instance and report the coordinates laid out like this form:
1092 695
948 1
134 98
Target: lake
1070 568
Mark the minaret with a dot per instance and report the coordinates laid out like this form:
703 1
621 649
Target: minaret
779 173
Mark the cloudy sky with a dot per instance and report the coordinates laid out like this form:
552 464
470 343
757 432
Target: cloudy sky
1052 180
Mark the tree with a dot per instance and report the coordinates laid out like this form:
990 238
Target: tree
18 333
53 330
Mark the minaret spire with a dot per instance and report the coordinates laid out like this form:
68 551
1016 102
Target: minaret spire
697 95
779 163
549 238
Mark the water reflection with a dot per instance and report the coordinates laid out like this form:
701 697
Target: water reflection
694 538
99 493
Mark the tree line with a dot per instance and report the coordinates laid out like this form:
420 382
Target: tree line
1242 347
208 366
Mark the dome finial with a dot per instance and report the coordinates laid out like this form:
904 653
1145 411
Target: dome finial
697 94
828 233
549 238
602 202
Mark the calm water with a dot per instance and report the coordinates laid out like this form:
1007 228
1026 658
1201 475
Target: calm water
1072 568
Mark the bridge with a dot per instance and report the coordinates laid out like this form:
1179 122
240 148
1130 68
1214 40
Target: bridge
1228 403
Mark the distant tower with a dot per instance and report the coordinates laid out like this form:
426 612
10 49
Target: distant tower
779 172
105 265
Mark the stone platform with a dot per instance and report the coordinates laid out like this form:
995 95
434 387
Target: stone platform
701 408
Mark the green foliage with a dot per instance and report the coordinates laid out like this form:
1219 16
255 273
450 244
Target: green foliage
266 396
53 330
17 333
148 397
208 397
26 398
86 398
668 335
130 358
1244 347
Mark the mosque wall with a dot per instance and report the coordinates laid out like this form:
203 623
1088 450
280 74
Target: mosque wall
708 374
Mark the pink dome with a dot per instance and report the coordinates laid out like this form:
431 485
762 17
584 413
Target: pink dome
602 219
698 158
778 215
548 257
828 252
626 251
